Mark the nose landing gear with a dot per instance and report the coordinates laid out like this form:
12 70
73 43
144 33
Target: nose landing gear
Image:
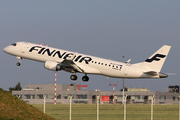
18 63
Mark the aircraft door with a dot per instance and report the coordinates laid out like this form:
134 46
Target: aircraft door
24 47
126 69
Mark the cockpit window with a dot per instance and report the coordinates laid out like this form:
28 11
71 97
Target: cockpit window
14 44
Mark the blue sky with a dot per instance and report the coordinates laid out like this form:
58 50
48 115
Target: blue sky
102 28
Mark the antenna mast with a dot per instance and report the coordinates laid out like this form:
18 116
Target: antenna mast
113 89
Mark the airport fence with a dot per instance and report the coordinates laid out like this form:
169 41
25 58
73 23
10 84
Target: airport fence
82 111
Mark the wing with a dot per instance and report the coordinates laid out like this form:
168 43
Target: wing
69 65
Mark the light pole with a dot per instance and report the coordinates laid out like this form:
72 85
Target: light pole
98 106
70 106
44 103
123 92
152 98
123 84
125 108
97 98
179 107
55 88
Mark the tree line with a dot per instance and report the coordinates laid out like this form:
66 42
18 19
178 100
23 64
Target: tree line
17 87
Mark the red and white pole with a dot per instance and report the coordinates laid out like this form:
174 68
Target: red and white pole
113 92
55 89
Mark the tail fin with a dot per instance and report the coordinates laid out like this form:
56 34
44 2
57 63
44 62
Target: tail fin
156 61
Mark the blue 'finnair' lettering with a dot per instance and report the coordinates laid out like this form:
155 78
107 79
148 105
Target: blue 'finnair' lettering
64 55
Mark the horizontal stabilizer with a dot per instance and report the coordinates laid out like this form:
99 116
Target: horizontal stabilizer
154 73
162 75
151 73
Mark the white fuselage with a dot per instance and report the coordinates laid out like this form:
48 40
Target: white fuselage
90 64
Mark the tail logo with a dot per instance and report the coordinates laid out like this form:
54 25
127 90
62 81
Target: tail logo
155 58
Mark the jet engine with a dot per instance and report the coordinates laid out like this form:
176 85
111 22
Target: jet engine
51 65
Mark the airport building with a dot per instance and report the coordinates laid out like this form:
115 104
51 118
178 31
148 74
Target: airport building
35 93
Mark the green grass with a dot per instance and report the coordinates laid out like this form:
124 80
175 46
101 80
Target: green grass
11 108
111 112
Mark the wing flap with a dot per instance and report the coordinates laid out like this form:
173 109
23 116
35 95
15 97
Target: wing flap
69 65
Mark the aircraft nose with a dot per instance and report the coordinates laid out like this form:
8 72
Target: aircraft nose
5 49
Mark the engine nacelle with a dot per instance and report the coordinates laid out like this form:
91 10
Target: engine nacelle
51 65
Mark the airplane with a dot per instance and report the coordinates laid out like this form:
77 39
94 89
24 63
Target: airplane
57 59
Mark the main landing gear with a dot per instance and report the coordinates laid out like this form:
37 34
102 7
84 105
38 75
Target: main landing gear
73 77
19 63
84 78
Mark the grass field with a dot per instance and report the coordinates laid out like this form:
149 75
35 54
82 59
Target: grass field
111 112
12 108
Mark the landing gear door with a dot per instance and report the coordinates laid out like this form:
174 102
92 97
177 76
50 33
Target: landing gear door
24 47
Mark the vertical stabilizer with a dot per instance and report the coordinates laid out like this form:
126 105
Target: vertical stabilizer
156 61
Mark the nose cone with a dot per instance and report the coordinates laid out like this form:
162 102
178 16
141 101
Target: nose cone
5 49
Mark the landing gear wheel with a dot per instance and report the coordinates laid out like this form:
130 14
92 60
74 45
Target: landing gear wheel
73 77
18 64
85 78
